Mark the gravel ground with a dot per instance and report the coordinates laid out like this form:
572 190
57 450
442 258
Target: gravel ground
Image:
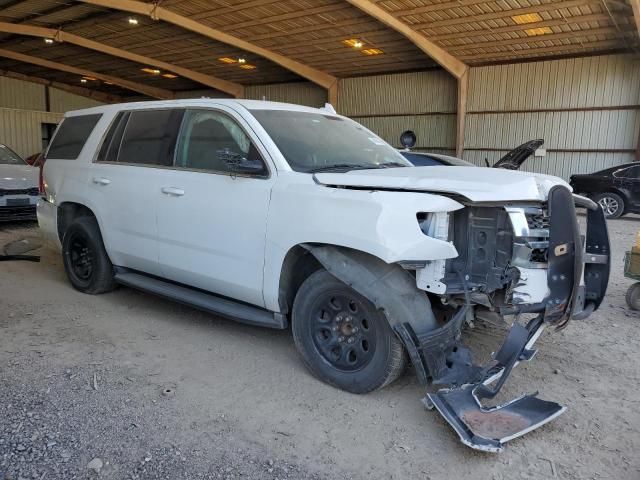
128 386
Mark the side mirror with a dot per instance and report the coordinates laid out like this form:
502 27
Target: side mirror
408 139
238 164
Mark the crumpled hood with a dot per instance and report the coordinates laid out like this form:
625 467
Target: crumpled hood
19 177
476 184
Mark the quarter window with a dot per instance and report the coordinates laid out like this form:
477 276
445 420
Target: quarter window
71 136
211 140
149 137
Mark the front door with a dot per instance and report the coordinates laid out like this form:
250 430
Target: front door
212 221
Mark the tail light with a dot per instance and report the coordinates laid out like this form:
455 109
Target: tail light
41 183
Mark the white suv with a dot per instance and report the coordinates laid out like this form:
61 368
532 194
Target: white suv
272 214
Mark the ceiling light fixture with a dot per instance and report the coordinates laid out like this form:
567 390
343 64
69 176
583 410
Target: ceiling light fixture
527 18
92 79
227 60
169 75
132 21
48 41
532 32
83 80
353 43
242 60
248 66
372 51
152 71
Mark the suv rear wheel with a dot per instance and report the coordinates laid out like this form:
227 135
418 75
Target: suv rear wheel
343 338
85 258
611 203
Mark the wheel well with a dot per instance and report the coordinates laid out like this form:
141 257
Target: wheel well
68 212
298 265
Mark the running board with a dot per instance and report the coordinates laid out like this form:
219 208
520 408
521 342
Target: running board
204 301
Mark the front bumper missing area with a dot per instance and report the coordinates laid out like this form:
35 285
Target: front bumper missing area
441 358
488 428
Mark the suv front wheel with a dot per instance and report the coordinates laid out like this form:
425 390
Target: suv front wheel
85 259
343 338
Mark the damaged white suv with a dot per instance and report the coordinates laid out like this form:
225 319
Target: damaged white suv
276 214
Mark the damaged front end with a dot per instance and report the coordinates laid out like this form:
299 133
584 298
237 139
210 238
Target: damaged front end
512 260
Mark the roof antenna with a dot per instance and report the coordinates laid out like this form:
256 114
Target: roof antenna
329 108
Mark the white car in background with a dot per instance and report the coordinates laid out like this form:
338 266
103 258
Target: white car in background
277 214
18 187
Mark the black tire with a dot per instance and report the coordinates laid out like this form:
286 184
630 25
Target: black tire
611 203
633 296
343 338
85 258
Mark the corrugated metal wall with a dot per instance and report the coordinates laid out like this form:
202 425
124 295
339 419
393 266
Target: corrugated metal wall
21 130
303 93
586 109
23 111
61 101
424 102
19 94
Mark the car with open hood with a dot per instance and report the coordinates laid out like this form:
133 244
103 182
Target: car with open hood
287 216
513 160
18 187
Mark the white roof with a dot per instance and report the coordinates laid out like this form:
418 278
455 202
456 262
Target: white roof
199 102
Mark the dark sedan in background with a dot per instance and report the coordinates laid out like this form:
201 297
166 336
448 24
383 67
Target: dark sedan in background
616 189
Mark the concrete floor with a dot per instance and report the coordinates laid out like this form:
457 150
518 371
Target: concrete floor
154 389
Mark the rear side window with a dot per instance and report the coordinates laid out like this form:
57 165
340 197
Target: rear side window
71 136
149 137
111 144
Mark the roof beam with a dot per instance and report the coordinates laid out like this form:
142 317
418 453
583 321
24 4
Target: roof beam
83 92
232 88
159 13
450 63
635 5
136 87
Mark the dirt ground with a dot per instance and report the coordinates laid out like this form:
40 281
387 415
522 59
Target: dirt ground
127 385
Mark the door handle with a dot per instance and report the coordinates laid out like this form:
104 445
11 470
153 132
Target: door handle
101 181
176 192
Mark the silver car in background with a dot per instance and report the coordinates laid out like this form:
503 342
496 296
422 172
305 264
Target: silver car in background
19 192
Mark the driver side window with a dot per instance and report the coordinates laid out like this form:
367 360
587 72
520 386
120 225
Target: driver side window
211 141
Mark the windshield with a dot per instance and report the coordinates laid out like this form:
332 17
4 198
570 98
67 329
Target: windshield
312 142
9 157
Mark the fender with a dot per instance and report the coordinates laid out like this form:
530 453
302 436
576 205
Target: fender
389 287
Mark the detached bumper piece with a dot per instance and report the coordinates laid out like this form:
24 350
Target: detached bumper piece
489 428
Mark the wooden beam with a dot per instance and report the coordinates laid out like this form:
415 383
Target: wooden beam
129 85
635 5
463 87
83 92
332 95
159 13
454 66
232 88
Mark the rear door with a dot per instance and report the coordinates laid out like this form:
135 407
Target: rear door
126 179
212 221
